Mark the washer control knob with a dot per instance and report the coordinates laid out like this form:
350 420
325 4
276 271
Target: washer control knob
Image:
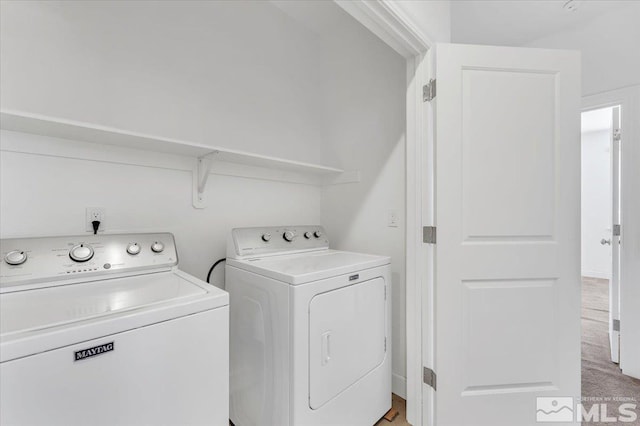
81 253
16 257
307 235
157 247
289 236
133 249
317 234
266 237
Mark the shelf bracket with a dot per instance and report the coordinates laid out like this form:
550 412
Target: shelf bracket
201 172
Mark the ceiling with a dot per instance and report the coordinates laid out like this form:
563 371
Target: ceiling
518 22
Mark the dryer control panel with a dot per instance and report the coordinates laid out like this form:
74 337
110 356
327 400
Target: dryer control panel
248 242
35 260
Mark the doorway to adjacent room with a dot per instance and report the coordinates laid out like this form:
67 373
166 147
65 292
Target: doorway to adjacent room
600 264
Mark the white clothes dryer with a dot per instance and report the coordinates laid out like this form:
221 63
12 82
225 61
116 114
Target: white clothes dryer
105 330
310 330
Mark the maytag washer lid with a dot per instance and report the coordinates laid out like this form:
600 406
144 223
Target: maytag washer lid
38 320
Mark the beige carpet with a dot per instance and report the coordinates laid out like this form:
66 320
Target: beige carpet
601 378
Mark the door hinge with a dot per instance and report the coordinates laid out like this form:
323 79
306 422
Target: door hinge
616 325
429 234
429 91
429 377
616 230
617 135
385 292
385 344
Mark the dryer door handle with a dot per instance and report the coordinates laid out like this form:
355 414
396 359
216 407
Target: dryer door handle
326 347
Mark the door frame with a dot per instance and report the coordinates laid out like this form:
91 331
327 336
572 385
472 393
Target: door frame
614 200
391 24
629 100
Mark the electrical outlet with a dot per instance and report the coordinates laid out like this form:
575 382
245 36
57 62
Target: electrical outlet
95 213
393 219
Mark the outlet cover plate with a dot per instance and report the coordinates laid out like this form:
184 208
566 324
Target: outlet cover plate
95 213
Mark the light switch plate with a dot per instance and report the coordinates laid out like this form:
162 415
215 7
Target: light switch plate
393 219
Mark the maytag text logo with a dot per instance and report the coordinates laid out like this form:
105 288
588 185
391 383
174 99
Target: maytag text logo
91 352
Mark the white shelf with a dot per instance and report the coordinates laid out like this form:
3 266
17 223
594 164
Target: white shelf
205 155
74 130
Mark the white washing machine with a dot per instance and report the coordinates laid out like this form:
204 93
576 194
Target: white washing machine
105 330
310 330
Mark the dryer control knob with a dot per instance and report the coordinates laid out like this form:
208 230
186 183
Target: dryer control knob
133 249
266 237
157 247
289 236
317 234
16 257
81 253
307 235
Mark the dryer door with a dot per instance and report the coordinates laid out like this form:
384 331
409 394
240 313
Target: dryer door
346 338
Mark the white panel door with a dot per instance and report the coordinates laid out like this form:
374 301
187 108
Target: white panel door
614 283
507 320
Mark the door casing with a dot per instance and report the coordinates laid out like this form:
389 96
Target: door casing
395 28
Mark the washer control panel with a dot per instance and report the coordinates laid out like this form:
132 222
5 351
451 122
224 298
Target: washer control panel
276 239
32 260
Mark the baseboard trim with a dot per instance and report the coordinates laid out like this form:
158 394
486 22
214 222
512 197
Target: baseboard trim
399 385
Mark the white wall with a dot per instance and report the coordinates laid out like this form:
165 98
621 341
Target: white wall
596 204
208 72
609 46
43 195
366 122
237 74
